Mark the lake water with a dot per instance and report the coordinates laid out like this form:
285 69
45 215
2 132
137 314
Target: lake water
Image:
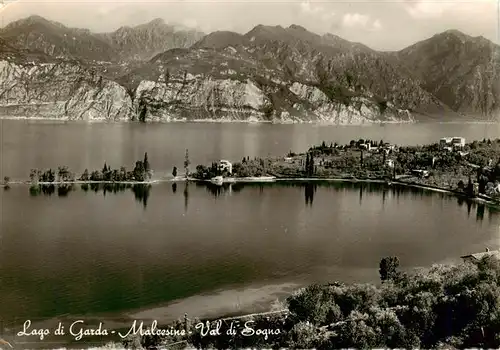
207 251
34 144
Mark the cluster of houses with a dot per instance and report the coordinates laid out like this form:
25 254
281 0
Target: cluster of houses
452 143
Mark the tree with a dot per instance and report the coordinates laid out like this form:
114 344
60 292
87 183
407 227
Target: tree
34 177
146 162
187 162
85 176
105 168
123 174
309 166
139 172
361 158
62 173
388 268
174 172
147 166
6 180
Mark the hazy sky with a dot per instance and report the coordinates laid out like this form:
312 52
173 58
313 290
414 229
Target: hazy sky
386 25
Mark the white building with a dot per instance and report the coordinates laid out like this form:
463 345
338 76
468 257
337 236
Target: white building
226 165
445 142
366 146
451 142
458 142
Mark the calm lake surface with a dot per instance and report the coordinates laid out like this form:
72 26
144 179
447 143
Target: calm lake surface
206 251
33 144
210 251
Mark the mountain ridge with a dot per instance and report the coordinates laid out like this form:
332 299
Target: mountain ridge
293 74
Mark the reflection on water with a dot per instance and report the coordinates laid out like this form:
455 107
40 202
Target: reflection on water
142 192
309 190
86 252
186 196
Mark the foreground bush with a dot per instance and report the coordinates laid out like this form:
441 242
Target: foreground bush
444 306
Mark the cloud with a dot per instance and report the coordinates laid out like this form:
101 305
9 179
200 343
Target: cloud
360 21
309 9
355 20
190 23
437 9
428 10
4 4
377 25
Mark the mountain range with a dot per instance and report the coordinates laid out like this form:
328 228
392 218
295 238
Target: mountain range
160 72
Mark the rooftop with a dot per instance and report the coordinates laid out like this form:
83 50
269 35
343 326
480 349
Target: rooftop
479 256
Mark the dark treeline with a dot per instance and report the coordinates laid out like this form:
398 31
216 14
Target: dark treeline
142 171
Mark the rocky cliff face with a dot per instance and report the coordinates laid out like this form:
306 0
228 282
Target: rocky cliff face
268 74
197 98
61 91
204 98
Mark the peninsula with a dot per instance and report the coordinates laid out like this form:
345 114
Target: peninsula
452 165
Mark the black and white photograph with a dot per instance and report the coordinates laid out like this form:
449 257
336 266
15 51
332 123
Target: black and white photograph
249 174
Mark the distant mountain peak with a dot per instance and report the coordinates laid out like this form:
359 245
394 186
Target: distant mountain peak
297 27
36 18
33 19
454 32
220 39
456 35
156 22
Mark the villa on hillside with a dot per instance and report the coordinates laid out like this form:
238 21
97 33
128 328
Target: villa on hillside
225 165
420 173
476 257
451 143
366 146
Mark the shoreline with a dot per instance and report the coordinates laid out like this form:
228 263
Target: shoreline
208 121
267 180
249 121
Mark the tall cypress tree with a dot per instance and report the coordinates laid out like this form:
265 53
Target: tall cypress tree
147 166
146 162
187 162
311 165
